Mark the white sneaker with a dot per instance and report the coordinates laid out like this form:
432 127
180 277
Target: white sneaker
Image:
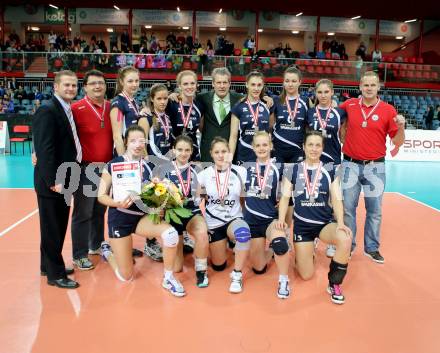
106 250
174 287
283 290
331 250
236 282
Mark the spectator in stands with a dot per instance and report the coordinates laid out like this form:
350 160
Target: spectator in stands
171 38
209 45
52 39
13 37
113 38
361 51
20 94
359 64
125 41
12 85
376 55
8 104
36 104
429 117
136 41
251 45
2 89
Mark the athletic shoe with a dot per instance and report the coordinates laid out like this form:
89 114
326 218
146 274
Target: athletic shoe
106 250
202 279
83 264
283 289
188 244
375 256
174 287
336 294
331 250
236 282
153 251
95 252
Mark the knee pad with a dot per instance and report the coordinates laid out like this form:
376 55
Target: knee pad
260 272
242 235
337 272
170 237
219 268
279 246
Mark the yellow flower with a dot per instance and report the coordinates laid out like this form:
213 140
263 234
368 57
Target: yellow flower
159 190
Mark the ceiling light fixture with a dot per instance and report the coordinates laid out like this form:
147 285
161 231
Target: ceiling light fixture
355 17
409 21
117 8
53 6
298 14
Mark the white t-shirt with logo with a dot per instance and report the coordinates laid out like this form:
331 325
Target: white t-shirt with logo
217 214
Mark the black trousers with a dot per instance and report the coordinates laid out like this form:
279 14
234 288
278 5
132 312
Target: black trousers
54 216
87 216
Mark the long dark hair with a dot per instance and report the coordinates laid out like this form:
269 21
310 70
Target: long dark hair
157 87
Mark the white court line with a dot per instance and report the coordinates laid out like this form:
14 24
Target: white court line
410 198
18 222
16 188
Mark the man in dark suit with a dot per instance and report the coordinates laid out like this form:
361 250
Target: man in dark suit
56 142
217 106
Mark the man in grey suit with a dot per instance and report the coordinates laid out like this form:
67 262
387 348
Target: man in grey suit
217 106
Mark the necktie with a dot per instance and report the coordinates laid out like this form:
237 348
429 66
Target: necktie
75 137
222 111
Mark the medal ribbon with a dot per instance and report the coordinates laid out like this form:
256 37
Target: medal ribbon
365 116
254 112
100 116
292 115
311 188
163 118
185 118
132 102
322 122
262 181
222 192
185 189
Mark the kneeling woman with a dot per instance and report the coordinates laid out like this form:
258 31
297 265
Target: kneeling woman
317 197
260 212
125 218
184 176
223 185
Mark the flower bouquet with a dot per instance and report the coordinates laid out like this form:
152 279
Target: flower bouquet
163 199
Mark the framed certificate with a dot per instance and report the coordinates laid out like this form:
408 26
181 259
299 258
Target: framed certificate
126 179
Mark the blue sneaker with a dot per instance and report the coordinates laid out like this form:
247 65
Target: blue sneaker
174 287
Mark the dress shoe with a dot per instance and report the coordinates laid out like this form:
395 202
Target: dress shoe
63 283
69 271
